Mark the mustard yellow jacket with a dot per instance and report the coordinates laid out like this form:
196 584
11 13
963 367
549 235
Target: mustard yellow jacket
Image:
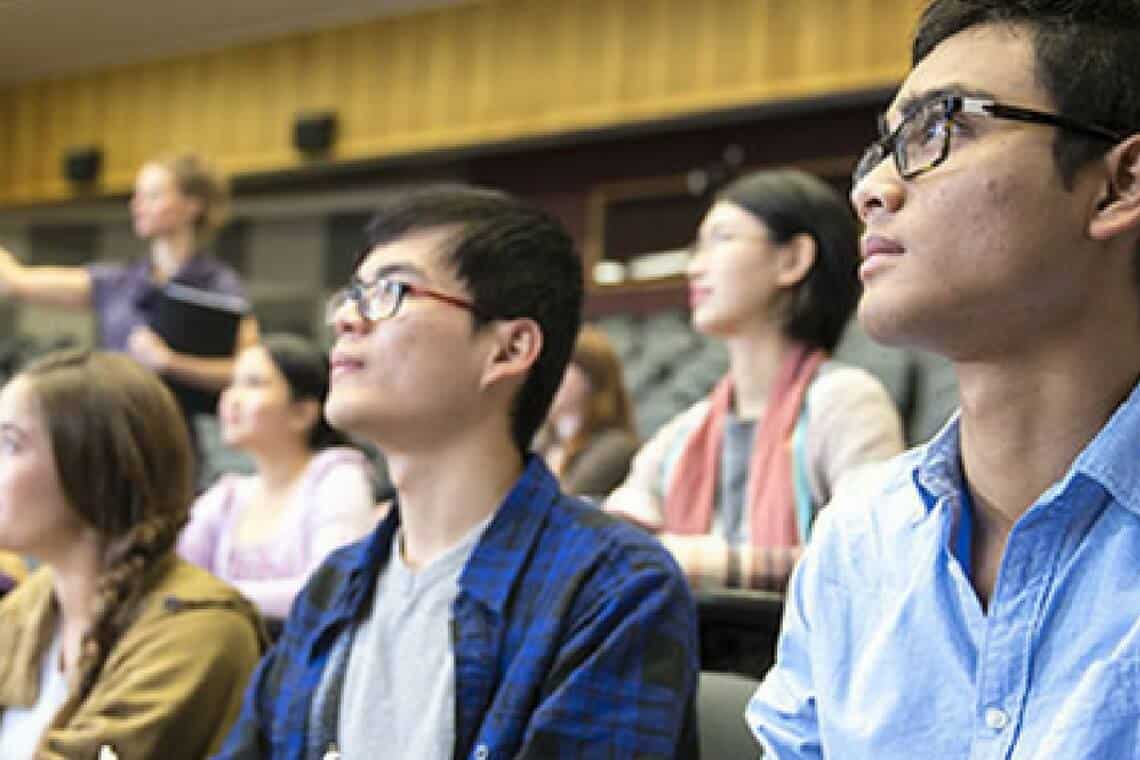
171 685
12 566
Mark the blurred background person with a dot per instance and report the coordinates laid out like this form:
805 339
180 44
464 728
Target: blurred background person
733 484
113 641
311 493
178 205
589 437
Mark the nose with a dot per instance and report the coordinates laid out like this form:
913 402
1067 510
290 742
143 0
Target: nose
347 320
226 399
695 265
880 190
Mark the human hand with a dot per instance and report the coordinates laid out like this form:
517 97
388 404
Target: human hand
703 557
9 269
145 345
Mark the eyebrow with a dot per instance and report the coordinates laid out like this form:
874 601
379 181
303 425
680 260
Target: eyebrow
388 270
13 428
913 102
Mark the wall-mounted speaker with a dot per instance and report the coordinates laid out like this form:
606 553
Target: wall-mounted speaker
315 133
82 165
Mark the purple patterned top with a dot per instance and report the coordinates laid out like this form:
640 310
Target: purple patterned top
331 506
122 295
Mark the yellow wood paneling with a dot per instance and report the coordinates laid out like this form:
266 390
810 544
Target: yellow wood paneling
479 72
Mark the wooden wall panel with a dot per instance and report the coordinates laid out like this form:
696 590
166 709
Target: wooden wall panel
485 71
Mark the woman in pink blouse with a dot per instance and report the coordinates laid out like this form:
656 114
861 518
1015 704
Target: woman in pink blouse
312 493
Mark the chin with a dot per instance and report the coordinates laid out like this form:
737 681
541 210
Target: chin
342 414
234 441
712 327
896 324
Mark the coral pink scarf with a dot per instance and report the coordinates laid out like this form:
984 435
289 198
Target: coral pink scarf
770 492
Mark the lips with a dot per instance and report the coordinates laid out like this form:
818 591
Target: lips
341 364
697 296
877 245
877 252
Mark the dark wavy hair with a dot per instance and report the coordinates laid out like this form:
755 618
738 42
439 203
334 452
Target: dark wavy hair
305 368
125 466
791 202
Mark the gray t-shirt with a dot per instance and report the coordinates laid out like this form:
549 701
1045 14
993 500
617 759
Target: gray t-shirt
399 687
730 519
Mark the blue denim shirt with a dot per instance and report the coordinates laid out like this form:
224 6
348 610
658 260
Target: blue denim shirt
887 653
575 636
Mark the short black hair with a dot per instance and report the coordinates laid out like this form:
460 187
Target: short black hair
791 202
1086 60
305 368
516 261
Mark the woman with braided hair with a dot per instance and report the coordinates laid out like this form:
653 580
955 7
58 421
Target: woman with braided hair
113 642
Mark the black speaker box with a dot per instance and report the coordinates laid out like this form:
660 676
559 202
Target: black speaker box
82 165
314 134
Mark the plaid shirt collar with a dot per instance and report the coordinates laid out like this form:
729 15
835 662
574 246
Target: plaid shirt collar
493 562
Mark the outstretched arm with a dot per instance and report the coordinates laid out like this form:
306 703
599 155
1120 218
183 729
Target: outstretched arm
45 285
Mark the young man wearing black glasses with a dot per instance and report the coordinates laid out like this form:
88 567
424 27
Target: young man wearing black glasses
979 596
489 615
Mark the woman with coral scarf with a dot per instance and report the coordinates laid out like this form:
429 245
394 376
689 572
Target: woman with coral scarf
733 484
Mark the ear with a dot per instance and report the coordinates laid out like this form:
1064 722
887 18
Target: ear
304 414
516 344
1118 209
195 207
794 260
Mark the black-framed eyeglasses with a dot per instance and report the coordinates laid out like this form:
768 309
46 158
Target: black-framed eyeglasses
382 298
921 141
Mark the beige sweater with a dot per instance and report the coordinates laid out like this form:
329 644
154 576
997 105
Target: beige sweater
851 421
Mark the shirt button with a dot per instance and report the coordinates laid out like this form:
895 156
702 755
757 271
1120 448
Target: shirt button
481 752
996 718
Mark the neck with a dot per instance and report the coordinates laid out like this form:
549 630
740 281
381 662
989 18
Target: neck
279 468
1025 419
170 252
76 573
754 359
446 491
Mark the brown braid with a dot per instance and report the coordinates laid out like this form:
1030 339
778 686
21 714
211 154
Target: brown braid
133 563
124 462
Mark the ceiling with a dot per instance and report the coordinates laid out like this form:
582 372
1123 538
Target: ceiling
45 38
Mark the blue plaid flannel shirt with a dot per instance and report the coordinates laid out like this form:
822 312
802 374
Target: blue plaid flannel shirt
575 636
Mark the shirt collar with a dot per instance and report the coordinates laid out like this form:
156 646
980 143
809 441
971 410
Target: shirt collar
938 470
1110 459
363 566
197 271
497 558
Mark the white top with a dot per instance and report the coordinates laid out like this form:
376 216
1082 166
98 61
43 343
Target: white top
22 727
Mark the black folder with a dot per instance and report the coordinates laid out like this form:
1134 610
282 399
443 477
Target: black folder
200 323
